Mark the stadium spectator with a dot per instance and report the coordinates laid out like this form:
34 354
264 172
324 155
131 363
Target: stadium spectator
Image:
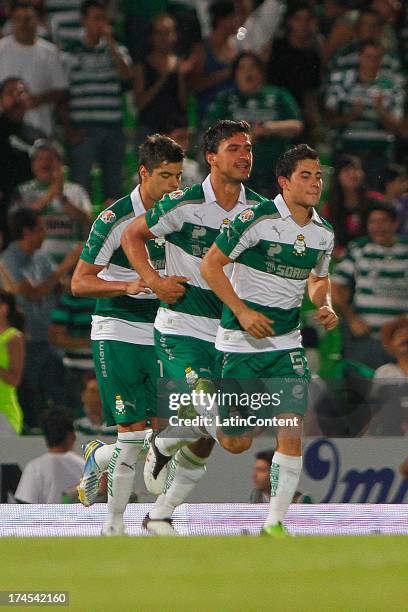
214 56
70 331
64 20
295 63
347 201
180 133
271 111
64 206
370 26
37 62
390 384
11 364
160 90
394 187
16 139
366 108
370 286
261 492
45 478
28 274
97 66
92 423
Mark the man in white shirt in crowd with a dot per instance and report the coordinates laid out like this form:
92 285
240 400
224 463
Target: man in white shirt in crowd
37 62
44 479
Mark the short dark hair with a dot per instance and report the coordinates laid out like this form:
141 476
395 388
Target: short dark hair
287 163
6 81
256 59
225 128
382 206
389 174
86 5
369 11
19 220
220 10
265 455
157 149
56 425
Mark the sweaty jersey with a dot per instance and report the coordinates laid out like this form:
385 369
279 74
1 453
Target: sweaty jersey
191 220
128 318
273 257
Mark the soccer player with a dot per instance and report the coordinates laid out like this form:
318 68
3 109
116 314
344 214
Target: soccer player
185 330
122 328
277 248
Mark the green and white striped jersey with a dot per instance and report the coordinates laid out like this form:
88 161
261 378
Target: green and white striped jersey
128 318
366 132
64 18
95 89
191 220
273 257
378 277
62 232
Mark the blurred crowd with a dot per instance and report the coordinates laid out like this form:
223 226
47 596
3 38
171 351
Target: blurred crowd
81 86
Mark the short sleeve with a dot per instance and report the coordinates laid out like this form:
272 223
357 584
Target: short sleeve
322 266
102 241
166 216
28 488
237 237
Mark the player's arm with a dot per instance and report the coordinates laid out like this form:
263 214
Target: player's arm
319 289
133 242
86 283
212 269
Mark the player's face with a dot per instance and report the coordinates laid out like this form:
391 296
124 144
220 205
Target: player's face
233 160
304 187
381 228
260 475
163 179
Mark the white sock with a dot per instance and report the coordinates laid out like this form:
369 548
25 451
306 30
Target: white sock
103 455
172 438
121 473
185 471
285 474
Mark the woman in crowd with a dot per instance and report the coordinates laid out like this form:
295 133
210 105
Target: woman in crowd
160 80
11 364
347 201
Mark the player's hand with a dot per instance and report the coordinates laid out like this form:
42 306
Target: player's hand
327 317
358 327
255 323
137 286
169 289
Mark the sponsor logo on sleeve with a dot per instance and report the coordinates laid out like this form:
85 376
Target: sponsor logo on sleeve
246 215
108 216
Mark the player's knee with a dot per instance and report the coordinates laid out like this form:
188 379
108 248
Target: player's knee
236 445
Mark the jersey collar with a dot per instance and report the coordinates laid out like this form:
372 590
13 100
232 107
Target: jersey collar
137 203
285 212
209 194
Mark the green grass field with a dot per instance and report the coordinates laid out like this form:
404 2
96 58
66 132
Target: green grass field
212 574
